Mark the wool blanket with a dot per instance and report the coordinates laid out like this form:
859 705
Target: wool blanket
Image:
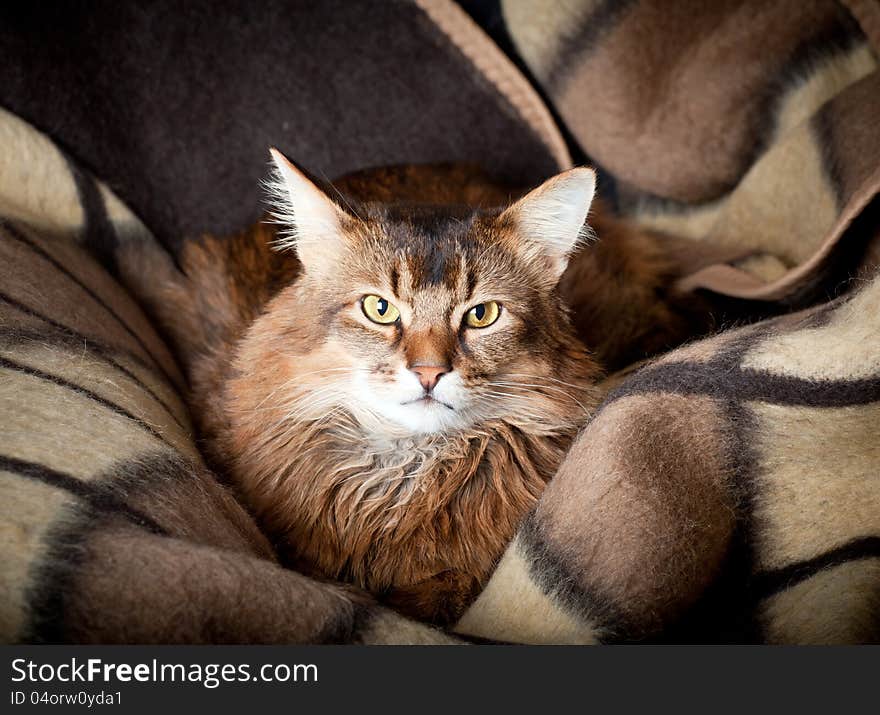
726 491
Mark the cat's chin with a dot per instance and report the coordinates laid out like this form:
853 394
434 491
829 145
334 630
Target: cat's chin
416 417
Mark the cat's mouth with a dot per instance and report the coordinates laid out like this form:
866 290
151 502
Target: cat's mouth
428 401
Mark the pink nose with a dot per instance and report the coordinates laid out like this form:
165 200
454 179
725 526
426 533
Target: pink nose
429 375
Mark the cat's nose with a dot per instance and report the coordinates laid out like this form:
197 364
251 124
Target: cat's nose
429 375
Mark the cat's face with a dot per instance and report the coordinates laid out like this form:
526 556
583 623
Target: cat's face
427 320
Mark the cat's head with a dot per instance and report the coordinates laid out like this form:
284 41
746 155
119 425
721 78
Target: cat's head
424 319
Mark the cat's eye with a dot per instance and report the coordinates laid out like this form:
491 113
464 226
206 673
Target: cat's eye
379 310
483 315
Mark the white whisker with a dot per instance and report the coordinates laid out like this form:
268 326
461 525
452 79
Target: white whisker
547 377
526 387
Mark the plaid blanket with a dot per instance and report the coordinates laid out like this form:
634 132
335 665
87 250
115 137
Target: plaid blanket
725 491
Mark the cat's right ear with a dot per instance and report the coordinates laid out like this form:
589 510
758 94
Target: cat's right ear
551 220
312 223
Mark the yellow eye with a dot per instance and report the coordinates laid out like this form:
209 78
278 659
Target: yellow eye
483 315
379 310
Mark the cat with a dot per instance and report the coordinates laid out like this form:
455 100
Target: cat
390 374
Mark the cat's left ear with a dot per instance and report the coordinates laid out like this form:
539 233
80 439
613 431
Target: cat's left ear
312 221
550 221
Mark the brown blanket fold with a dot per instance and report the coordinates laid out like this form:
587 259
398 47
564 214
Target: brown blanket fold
113 531
726 491
747 124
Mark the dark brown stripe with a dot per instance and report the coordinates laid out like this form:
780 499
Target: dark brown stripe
471 283
54 575
733 600
99 350
61 382
98 234
591 29
550 571
96 495
769 583
837 37
395 280
21 238
714 380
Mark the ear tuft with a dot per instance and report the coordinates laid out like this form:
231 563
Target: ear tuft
551 219
311 222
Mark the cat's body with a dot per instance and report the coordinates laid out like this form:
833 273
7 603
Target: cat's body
304 399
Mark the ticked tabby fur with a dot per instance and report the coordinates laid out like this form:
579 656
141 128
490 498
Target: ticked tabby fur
401 456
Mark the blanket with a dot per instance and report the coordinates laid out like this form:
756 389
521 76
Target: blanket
725 491
113 530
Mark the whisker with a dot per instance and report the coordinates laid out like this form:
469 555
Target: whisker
341 196
547 377
525 386
291 384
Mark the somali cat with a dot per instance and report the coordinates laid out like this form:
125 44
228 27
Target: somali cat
390 379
